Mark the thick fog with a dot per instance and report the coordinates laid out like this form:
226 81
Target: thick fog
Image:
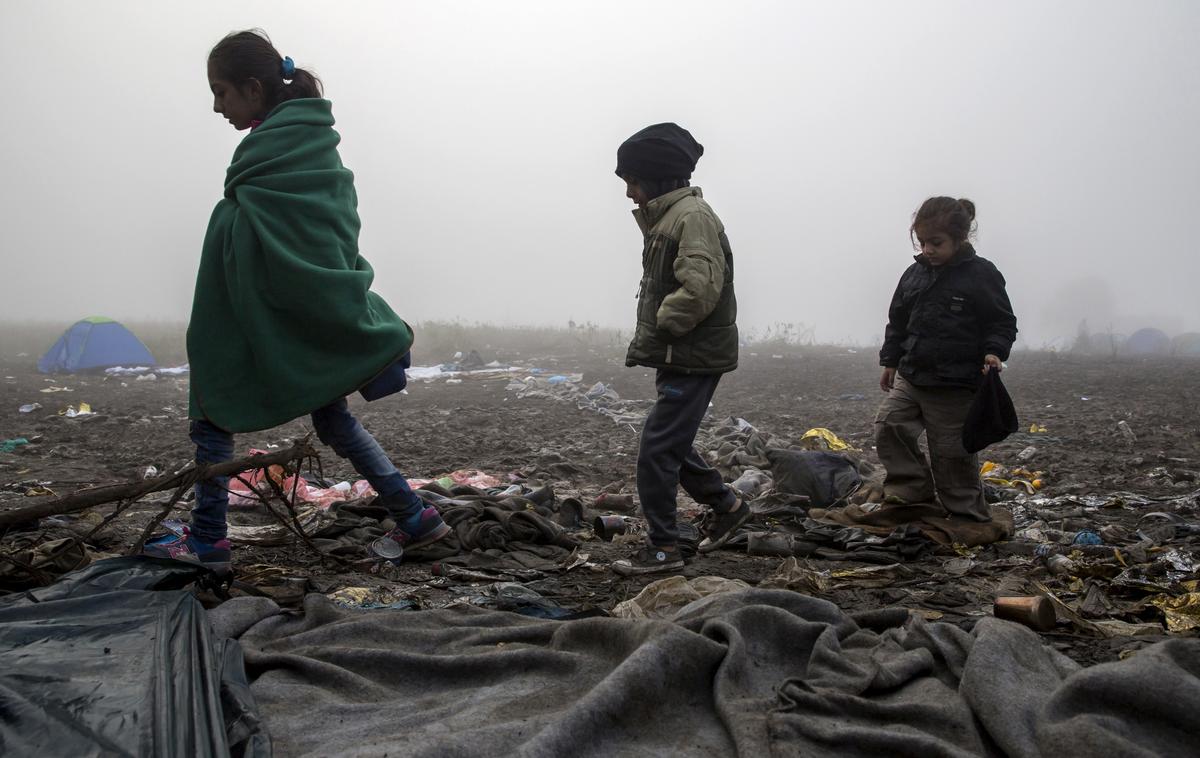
483 138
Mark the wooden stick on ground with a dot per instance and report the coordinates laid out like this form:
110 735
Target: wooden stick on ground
89 498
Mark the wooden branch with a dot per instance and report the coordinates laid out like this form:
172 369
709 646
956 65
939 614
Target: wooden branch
90 498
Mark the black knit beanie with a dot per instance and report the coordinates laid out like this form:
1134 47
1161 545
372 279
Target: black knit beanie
662 151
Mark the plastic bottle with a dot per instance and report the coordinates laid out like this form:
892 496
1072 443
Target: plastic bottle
1060 565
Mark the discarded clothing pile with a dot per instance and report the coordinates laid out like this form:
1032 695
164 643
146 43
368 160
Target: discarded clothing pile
832 542
26 558
929 519
600 398
500 523
734 445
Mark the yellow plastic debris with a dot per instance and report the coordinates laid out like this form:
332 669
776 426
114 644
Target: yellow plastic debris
987 467
1037 429
831 440
1181 613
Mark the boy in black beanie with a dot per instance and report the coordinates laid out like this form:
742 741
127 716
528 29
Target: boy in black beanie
687 331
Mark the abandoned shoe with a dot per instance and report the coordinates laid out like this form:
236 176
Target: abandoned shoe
721 526
217 556
419 530
651 559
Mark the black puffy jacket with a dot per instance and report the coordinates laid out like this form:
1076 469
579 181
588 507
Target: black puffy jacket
943 320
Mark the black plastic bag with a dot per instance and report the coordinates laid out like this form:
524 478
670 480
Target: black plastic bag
116 659
991 417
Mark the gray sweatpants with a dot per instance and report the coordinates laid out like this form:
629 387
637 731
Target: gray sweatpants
951 473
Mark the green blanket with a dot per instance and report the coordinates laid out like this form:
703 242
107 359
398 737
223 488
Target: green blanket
283 320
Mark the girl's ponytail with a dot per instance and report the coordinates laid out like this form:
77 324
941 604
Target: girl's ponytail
967 206
301 84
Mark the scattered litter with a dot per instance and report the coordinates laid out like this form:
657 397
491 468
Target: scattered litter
1182 613
610 501
367 598
55 388
465 477
598 398
821 438
150 472
30 407
127 370
1027 454
1036 612
664 598
608 527
7 446
1126 432
1017 478
517 598
70 412
1037 429
751 482
243 488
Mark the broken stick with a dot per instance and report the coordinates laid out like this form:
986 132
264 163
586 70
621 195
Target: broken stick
88 498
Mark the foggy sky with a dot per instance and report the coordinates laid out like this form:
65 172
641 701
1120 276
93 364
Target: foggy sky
483 140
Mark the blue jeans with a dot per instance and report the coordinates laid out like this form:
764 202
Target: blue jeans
335 427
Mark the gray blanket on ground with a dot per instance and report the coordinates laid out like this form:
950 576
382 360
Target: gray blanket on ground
755 673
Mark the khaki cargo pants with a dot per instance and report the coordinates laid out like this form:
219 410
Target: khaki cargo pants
951 473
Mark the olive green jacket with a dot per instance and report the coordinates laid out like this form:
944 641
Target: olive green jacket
687 311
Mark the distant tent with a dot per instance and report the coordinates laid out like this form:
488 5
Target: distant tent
1186 345
95 342
1148 341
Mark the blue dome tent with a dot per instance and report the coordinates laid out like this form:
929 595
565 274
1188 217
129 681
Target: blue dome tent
95 342
1148 341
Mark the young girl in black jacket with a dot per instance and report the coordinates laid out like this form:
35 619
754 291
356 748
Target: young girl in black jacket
950 322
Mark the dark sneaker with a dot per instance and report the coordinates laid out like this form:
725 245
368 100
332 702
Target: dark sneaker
719 527
651 559
429 528
217 556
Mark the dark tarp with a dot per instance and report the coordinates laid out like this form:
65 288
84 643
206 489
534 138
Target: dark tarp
118 659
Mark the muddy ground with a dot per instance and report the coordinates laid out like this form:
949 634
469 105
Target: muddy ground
440 427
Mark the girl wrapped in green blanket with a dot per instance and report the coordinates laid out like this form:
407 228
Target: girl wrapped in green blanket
283 320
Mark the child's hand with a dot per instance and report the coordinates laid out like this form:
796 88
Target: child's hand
992 362
888 379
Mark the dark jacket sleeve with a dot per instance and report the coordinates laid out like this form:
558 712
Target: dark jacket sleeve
998 325
896 330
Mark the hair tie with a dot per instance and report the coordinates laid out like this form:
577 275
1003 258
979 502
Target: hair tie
288 67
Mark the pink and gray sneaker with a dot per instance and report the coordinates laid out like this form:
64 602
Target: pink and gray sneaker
217 556
423 529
